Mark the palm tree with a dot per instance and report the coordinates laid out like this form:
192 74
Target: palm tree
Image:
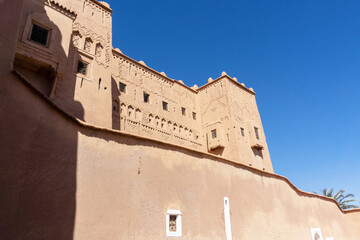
342 199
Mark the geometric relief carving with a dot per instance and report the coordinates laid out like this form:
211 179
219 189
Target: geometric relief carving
88 44
76 38
98 50
91 37
137 114
130 112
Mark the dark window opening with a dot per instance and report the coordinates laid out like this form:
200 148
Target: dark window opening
194 115
165 105
39 34
172 223
242 132
82 67
115 105
122 87
183 111
146 97
256 132
213 133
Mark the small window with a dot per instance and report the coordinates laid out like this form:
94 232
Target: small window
82 67
146 97
256 132
242 132
165 105
173 223
39 34
122 87
183 111
194 115
213 133
115 106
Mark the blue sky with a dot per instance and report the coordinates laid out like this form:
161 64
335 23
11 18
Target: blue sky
301 57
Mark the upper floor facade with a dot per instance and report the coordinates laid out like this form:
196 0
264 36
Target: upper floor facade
65 50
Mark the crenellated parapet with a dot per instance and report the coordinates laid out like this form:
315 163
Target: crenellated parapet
80 66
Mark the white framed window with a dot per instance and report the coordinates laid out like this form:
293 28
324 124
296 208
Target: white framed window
316 234
173 223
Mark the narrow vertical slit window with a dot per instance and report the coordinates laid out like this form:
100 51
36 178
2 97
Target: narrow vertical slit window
194 115
242 132
256 132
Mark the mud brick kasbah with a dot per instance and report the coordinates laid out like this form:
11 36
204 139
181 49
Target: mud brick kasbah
97 145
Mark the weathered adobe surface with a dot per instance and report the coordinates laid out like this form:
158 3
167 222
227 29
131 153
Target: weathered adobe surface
122 185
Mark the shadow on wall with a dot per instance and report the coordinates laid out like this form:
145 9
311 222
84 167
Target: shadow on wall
38 148
115 93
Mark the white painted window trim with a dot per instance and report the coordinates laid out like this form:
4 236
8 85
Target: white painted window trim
314 231
178 232
227 218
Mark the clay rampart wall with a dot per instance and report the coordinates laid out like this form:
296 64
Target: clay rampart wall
123 185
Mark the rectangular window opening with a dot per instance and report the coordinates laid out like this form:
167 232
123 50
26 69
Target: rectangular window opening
213 133
256 132
242 132
122 87
82 67
39 34
183 111
194 115
165 105
172 223
146 97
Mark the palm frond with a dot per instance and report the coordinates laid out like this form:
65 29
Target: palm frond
339 197
330 191
350 200
350 206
